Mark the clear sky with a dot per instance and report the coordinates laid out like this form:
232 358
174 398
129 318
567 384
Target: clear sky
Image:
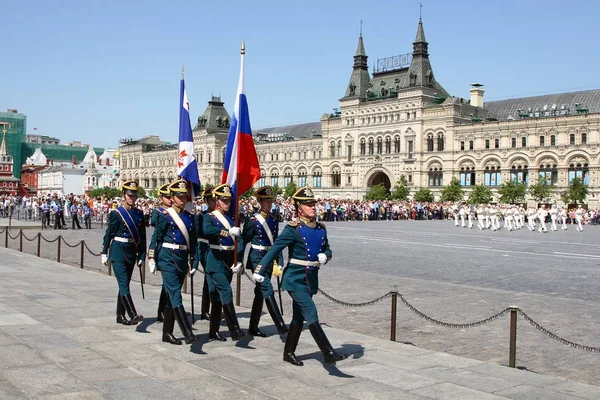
98 71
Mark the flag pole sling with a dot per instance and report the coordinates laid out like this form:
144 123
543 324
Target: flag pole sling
238 289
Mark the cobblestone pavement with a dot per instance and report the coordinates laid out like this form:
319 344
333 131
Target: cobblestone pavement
450 274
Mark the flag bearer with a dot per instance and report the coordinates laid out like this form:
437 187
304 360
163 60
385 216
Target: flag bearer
165 199
125 237
309 249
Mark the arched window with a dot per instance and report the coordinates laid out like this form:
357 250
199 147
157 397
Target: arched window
397 144
471 144
287 177
467 176
362 147
487 143
513 142
336 178
548 172
388 145
379 146
584 138
339 149
436 176
302 178
519 174
552 140
371 145
317 178
462 145
274 178
524 141
430 142
581 171
542 140
440 142
572 138
492 175
332 149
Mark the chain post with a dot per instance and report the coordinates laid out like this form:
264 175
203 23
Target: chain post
238 290
21 240
6 239
394 309
58 251
82 254
39 244
512 350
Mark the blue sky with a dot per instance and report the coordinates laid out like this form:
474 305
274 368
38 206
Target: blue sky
101 71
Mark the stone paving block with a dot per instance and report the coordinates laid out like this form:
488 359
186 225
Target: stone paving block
400 361
371 390
6 339
216 387
524 392
20 355
288 388
85 395
448 360
234 368
61 320
164 368
81 359
141 389
88 334
589 392
469 379
49 341
450 391
45 379
16 319
122 350
390 376
109 374
515 375
9 392
20 330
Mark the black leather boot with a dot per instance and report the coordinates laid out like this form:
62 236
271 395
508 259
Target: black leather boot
168 325
130 308
290 345
162 303
330 356
215 318
232 322
257 306
204 310
121 319
276 315
184 325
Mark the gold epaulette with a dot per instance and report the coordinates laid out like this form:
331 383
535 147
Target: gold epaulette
293 224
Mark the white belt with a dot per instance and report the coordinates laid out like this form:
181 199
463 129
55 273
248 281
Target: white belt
203 241
305 263
219 247
175 246
122 239
258 247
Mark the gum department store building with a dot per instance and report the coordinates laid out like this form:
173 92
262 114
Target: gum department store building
401 121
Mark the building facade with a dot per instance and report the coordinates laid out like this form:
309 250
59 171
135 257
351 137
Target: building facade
400 121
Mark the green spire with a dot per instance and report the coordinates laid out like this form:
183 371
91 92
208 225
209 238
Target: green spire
420 33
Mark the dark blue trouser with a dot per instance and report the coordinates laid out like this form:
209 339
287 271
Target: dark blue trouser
123 274
172 282
265 288
304 308
222 284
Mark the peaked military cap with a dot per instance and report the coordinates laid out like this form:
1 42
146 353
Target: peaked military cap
208 192
164 190
178 187
223 190
130 187
303 195
265 192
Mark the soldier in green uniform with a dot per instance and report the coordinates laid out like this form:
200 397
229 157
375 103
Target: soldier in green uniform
172 251
260 231
166 202
125 247
207 286
218 227
308 249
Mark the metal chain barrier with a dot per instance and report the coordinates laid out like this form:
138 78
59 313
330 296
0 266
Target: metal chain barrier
365 304
90 250
51 241
556 337
29 240
13 238
71 246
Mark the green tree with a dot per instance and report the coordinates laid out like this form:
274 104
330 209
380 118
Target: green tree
453 191
401 191
423 195
541 192
106 192
249 193
376 192
277 190
511 192
290 189
564 196
141 192
481 195
577 191
153 193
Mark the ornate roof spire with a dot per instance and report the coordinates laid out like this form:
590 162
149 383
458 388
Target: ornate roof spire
359 80
3 150
420 38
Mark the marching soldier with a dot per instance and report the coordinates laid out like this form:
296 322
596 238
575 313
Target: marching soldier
172 251
261 231
126 238
579 215
218 227
308 249
542 214
553 217
562 215
166 202
207 286
531 215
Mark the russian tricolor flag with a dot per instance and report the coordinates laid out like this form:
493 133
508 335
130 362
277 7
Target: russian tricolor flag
187 167
240 169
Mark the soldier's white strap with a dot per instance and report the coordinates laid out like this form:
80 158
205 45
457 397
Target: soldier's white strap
258 247
222 248
221 219
174 246
180 225
263 222
305 263
202 240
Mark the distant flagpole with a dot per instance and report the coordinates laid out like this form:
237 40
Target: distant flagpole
187 167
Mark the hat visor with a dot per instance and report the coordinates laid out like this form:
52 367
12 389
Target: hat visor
130 192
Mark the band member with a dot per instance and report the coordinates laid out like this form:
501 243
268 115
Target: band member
579 216
261 231
218 227
126 238
172 252
165 199
309 249
553 217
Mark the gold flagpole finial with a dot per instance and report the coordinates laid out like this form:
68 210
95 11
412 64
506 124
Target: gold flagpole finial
182 69
243 47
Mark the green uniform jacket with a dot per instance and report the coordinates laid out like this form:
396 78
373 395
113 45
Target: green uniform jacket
218 235
254 234
166 231
303 243
121 252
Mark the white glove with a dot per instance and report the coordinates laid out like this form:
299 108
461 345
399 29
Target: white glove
152 265
236 268
258 278
322 258
140 263
234 231
104 259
